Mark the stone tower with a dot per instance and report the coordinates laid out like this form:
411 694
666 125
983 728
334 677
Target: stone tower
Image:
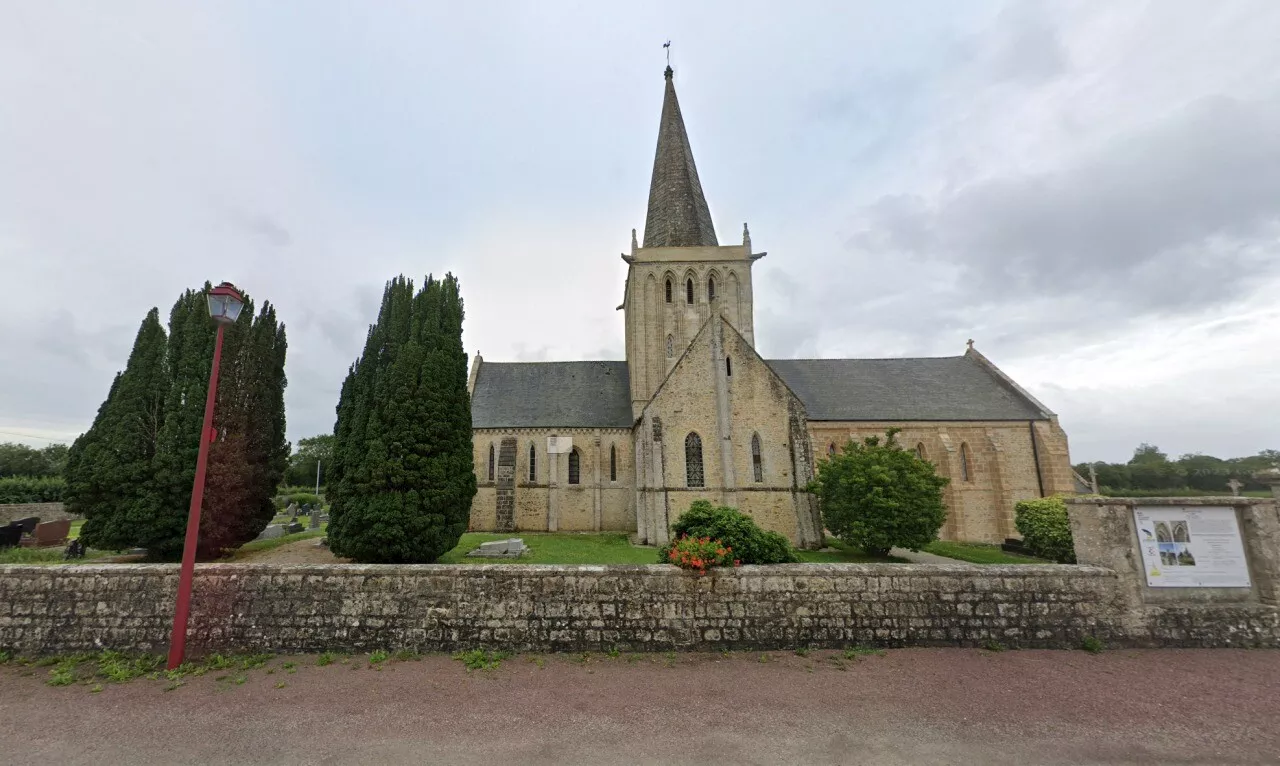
681 276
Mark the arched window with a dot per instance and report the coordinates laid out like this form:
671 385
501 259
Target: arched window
711 289
757 467
920 451
728 367
613 462
668 289
688 291
491 462
671 346
831 449
533 463
693 461
964 461
575 466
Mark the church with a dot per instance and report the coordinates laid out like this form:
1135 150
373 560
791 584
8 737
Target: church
694 412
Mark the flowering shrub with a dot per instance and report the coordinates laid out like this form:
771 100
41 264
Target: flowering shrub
700 554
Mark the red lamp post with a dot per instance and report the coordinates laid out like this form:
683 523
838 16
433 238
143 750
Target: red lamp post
225 303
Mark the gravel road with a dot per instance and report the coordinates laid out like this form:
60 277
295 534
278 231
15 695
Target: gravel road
910 706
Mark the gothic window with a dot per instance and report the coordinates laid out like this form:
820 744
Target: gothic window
711 289
575 466
657 429
613 462
671 347
668 289
757 467
533 463
964 461
831 449
693 460
490 462
728 367
688 291
920 451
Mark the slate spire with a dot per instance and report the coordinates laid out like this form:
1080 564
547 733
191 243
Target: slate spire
678 214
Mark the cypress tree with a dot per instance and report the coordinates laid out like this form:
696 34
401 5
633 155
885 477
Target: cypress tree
250 454
162 520
402 482
109 466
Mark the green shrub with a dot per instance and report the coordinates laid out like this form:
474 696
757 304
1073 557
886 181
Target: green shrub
1045 530
750 543
876 496
32 489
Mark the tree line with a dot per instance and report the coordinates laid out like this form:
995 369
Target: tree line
1151 470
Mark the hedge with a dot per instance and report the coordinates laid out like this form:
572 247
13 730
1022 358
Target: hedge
1045 530
32 489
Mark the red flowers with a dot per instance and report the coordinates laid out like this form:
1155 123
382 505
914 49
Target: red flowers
700 554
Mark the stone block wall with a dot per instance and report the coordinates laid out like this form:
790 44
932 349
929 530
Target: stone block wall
1004 466
549 608
46 511
1104 535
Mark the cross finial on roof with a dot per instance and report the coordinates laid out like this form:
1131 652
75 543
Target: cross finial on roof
969 343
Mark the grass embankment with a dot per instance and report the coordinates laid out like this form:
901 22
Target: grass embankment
979 553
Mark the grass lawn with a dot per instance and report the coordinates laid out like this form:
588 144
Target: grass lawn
557 548
979 553
48 555
843 554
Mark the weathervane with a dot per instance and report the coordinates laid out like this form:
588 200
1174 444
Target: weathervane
667 47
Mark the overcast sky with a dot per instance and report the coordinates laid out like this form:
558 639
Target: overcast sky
1091 191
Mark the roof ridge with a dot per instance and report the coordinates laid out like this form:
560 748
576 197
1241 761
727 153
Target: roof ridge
564 361
864 358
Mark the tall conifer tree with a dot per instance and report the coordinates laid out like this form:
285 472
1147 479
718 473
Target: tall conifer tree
144 501
109 466
402 482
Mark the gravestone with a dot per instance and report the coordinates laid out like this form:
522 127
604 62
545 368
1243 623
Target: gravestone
1235 485
271 532
513 548
315 518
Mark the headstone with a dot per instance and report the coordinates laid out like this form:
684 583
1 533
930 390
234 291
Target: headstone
293 527
1235 485
292 510
315 518
500 549
271 532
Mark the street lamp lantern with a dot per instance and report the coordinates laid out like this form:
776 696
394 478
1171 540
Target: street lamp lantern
225 303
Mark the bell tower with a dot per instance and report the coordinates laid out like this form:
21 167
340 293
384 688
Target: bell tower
681 275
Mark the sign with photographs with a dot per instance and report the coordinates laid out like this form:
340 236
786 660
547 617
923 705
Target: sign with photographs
1191 547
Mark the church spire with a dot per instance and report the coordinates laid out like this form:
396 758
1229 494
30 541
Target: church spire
678 214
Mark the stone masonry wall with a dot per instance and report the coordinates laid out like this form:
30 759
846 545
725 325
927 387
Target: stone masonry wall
549 608
46 511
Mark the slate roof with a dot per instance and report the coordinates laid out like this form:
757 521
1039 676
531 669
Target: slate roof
598 394
551 395
678 213
940 388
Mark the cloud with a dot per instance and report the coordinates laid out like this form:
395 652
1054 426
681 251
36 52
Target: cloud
1077 186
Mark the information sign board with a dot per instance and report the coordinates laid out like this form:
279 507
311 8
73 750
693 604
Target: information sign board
1191 547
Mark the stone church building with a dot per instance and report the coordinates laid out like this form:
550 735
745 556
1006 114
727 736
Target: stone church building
694 412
